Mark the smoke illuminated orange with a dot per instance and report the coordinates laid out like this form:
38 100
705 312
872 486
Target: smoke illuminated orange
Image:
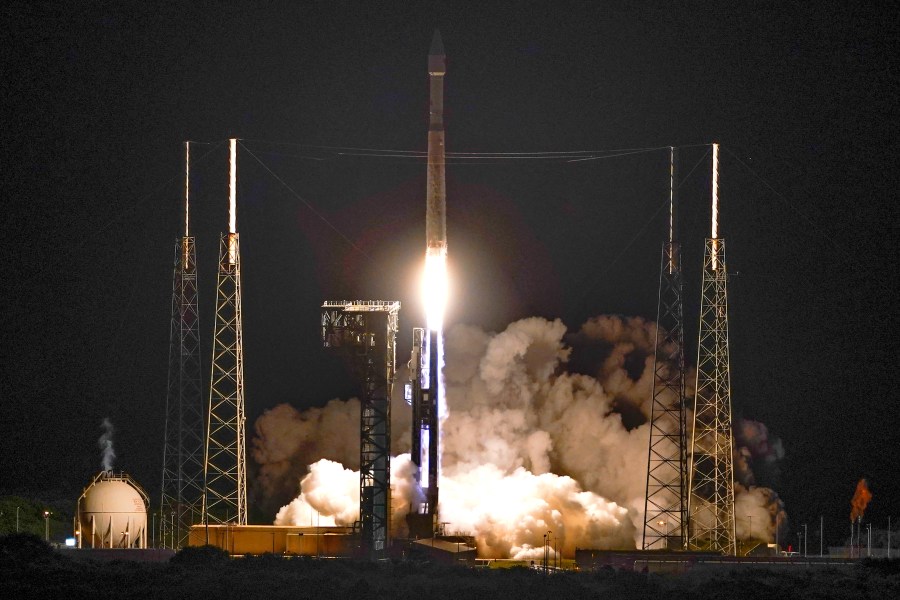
860 500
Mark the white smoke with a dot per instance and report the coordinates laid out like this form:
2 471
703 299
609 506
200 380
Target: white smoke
330 495
527 446
107 454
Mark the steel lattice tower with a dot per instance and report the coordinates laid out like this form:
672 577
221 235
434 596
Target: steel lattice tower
665 502
711 501
225 498
366 332
182 479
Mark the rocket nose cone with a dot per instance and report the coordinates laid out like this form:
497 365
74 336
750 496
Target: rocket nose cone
437 46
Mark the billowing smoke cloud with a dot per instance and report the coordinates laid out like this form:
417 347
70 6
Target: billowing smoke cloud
758 454
330 495
287 441
531 444
757 513
107 455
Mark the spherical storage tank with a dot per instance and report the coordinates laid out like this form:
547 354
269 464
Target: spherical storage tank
112 513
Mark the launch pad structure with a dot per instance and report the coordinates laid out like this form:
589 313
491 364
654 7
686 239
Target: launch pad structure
711 499
424 368
665 521
225 471
365 332
181 504
689 502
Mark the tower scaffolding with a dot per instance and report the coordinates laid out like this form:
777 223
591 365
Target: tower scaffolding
225 473
365 332
182 478
422 519
711 499
665 501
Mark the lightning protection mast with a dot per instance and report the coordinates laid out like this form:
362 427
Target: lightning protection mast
711 499
182 479
665 502
225 498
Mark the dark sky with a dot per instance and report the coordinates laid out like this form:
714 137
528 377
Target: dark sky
99 97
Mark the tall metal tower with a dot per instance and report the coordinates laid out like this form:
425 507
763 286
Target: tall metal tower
366 333
182 479
711 501
665 504
225 498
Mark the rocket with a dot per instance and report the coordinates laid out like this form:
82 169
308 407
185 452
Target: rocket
436 208
427 360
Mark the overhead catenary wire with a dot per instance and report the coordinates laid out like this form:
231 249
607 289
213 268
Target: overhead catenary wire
637 235
458 158
304 201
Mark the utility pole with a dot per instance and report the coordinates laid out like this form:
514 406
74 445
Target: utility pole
821 536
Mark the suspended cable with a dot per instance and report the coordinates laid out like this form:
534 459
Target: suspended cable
307 204
126 209
363 151
640 232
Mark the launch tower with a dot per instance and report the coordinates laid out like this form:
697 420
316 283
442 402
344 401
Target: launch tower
366 332
182 478
711 499
225 497
665 504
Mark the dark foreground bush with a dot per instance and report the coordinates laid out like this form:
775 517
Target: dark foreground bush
25 548
200 556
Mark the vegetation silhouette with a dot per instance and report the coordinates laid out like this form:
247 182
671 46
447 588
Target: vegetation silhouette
30 568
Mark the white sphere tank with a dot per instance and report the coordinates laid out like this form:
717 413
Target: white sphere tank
112 513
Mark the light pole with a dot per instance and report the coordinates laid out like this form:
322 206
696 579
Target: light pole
46 525
805 545
869 538
17 520
750 533
544 555
777 547
547 551
821 536
662 522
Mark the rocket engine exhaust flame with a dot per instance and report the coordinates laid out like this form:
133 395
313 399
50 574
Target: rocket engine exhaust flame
860 500
435 288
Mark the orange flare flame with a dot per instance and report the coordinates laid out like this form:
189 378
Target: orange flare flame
860 500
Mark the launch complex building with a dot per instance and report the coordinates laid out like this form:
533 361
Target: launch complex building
689 503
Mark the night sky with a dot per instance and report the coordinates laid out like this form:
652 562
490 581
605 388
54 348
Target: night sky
99 98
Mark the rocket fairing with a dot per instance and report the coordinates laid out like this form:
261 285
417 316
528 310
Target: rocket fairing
436 209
